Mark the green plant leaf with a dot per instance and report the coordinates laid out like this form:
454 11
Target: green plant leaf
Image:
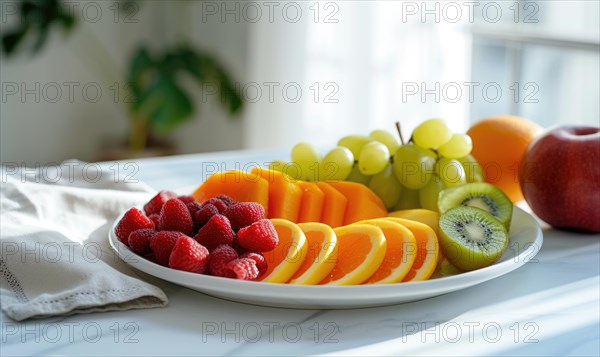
161 100
141 66
37 18
11 40
169 106
207 69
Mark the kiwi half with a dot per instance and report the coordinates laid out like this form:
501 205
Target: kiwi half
480 195
471 238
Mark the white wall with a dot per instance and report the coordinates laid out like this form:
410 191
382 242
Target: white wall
212 128
38 130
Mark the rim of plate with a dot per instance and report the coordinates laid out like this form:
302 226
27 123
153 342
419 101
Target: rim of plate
521 220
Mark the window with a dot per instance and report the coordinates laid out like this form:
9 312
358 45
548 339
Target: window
547 62
378 62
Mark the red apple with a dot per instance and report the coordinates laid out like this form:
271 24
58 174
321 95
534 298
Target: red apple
560 177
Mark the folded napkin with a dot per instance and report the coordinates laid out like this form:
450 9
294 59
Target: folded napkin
55 257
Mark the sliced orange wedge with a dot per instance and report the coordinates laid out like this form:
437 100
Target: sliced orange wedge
427 252
288 256
361 249
321 256
400 253
425 216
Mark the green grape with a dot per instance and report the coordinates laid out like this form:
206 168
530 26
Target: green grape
386 186
450 172
308 160
431 134
459 145
428 195
413 166
473 170
277 165
357 176
386 138
409 199
293 170
373 158
336 165
355 143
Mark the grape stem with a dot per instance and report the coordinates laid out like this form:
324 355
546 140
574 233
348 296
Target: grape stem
400 132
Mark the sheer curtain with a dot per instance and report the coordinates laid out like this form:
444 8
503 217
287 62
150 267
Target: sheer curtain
360 66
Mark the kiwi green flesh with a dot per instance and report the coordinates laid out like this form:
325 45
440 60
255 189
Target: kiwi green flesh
480 195
471 238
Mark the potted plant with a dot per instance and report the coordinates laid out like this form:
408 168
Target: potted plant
159 101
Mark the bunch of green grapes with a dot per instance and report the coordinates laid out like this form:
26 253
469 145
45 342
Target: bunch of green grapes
372 166
307 164
403 175
357 158
434 159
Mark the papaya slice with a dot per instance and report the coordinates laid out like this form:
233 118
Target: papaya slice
239 185
284 194
362 202
311 204
334 205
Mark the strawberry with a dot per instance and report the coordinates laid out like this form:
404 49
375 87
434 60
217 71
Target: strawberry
174 216
242 268
162 245
259 259
132 220
260 236
204 214
156 203
189 255
139 240
243 214
219 257
215 232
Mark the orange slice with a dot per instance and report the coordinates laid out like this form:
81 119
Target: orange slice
425 216
427 252
288 256
361 249
399 256
321 256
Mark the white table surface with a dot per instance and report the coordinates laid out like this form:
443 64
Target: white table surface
548 307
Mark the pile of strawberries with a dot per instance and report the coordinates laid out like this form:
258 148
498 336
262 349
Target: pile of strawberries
219 236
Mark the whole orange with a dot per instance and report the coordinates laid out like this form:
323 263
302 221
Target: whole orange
499 143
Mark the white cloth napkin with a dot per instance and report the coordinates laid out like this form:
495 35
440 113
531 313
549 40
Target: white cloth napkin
55 257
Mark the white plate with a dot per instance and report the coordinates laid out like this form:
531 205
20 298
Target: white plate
525 242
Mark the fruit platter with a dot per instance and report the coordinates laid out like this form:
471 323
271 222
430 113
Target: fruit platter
375 221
